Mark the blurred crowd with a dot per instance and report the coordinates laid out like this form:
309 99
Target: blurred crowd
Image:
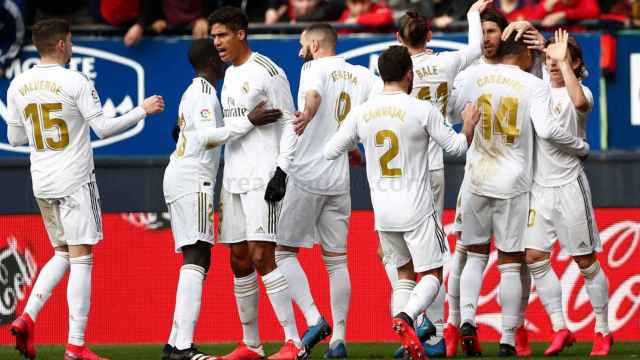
139 17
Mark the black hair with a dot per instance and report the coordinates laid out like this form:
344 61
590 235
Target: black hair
493 15
202 53
46 33
512 47
413 29
576 54
328 32
231 17
394 63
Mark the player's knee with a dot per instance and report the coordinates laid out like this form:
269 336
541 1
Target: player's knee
437 273
241 263
263 260
535 256
510 257
479 248
197 254
584 261
335 262
380 252
284 255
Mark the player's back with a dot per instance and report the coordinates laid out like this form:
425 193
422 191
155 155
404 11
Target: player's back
392 128
342 86
54 104
500 161
192 162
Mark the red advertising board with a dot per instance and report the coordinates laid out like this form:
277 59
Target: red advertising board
135 277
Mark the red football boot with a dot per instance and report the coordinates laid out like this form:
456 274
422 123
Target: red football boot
288 351
561 339
243 352
452 339
23 329
523 349
73 352
601 344
402 325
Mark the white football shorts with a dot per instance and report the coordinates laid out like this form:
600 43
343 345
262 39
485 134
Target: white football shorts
307 219
75 219
425 245
564 213
437 188
191 219
485 216
247 217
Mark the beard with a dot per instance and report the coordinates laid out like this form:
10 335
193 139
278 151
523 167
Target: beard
307 56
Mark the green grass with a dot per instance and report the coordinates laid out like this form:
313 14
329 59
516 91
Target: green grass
622 350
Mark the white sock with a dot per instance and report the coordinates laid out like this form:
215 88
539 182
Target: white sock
435 311
278 292
246 291
174 332
510 294
289 266
453 284
79 297
340 288
470 285
422 296
549 292
188 301
402 290
48 279
525 281
392 274
598 290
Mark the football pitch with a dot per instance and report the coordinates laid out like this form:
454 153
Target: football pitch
622 350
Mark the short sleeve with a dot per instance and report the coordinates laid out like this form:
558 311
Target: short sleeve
589 96
311 78
88 101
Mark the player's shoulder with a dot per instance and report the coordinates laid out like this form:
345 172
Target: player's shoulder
266 66
199 88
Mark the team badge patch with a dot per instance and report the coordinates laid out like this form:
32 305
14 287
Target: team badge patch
245 87
205 114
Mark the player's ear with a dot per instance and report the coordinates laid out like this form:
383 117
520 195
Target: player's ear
398 38
429 35
242 34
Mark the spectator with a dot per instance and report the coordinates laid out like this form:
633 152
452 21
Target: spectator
119 12
515 10
447 11
626 11
553 12
12 33
375 17
74 11
400 7
171 14
303 10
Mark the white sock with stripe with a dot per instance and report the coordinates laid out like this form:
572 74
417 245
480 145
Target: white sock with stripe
422 296
550 292
510 295
278 292
597 287
470 286
79 297
340 290
435 311
402 290
246 291
453 284
49 277
290 267
188 301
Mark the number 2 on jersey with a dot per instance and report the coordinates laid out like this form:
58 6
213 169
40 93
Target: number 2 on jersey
381 136
33 111
507 114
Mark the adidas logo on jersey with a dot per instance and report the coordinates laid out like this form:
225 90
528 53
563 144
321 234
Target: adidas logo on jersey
259 230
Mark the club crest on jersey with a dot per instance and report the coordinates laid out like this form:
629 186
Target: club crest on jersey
119 82
245 87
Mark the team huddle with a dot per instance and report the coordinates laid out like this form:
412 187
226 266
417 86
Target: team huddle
285 183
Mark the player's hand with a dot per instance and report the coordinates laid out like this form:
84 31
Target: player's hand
276 187
470 116
133 35
300 122
534 39
442 21
355 158
159 26
260 115
520 27
558 50
479 5
153 104
200 28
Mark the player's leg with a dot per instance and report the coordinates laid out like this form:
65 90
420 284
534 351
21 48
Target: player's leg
457 263
476 232
23 327
333 227
232 231
262 245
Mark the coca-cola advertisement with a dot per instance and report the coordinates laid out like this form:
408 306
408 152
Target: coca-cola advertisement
136 271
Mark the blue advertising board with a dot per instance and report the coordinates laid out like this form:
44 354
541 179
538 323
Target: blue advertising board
124 76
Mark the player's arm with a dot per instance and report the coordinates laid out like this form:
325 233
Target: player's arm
542 119
16 133
212 136
88 103
279 93
344 140
457 99
450 141
309 98
473 50
558 51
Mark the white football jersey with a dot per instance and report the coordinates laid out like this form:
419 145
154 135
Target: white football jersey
433 76
396 129
250 161
554 167
342 86
192 163
511 103
55 104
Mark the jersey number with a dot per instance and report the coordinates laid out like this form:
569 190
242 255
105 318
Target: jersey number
34 111
343 106
381 136
503 122
182 139
442 95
